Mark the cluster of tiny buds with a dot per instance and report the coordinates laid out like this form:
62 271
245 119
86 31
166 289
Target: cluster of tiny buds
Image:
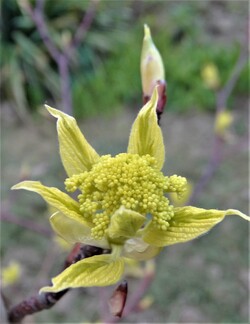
127 180
177 184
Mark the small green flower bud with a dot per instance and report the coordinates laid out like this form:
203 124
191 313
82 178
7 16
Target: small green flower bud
152 69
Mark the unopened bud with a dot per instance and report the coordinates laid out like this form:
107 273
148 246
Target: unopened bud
210 76
11 274
118 299
145 303
152 68
223 121
152 72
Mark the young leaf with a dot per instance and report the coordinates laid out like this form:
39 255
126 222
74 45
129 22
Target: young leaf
73 231
77 154
99 270
56 198
188 223
125 223
146 136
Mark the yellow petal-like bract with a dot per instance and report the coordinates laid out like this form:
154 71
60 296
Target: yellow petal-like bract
97 271
73 231
146 136
77 154
188 223
56 198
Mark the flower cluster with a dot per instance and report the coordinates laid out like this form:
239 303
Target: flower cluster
122 203
127 180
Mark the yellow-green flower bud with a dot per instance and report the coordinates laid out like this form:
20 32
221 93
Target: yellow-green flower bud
223 121
152 68
210 76
11 274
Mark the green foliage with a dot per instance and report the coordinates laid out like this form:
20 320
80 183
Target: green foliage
118 80
115 82
30 76
105 70
27 75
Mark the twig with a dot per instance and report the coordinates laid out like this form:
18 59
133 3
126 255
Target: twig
210 169
49 261
33 305
63 67
82 28
37 16
224 94
32 226
221 103
43 301
61 57
139 293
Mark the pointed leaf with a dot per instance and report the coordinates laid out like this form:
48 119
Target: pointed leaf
188 223
146 136
124 224
56 198
77 154
99 270
73 231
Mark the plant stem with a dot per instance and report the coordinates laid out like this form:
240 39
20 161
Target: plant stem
61 57
83 28
221 104
32 226
63 67
34 304
43 301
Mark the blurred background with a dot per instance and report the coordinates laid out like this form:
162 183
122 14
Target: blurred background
202 281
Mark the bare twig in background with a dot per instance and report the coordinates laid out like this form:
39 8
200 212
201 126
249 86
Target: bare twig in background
141 289
37 15
28 224
221 104
49 261
61 57
82 28
224 94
